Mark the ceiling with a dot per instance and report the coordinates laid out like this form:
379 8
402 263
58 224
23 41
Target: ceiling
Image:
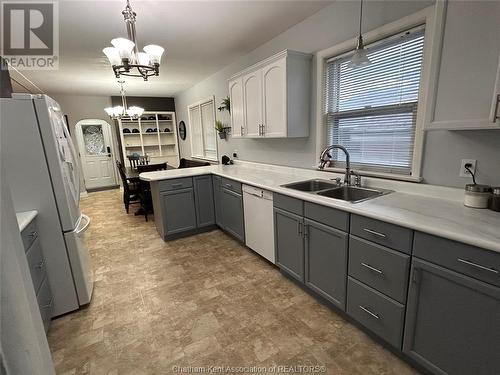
199 37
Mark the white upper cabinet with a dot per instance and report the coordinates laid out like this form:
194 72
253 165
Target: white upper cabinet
252 103
275 97
236 99
467 84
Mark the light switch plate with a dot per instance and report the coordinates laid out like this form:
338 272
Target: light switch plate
464 172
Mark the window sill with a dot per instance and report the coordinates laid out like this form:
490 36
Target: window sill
389 176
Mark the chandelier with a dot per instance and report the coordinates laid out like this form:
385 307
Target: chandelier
121 111
125 57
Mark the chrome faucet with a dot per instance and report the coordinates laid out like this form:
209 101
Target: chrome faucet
323 161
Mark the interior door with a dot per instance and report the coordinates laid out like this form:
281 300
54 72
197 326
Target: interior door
252 98
274 99
95 144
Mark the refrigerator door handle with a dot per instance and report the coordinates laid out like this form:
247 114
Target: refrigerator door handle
85 227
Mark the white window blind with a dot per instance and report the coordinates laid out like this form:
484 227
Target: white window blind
371 110
203 135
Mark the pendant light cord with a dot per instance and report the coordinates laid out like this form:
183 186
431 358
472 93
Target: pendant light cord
360 15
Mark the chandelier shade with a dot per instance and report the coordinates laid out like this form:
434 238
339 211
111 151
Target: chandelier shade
124 56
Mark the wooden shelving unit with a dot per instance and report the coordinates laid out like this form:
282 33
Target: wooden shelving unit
158 144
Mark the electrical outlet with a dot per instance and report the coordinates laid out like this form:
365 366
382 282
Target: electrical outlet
235 154
464 172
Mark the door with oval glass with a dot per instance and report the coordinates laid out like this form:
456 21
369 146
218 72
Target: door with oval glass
96 153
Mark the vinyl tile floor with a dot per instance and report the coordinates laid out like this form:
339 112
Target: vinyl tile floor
201 301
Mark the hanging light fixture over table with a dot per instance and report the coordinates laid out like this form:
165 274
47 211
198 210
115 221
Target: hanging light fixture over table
121 111
360 58
125 57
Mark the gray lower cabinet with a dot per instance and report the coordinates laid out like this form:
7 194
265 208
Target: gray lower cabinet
178 211
326 261
204 198
232 208
377 312
452 322
217 188
36 265
289 243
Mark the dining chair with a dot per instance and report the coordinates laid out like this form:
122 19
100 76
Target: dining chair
130 189
144 191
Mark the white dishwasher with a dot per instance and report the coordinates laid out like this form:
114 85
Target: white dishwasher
259 223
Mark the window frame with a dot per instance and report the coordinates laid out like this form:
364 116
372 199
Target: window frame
433 20
199 103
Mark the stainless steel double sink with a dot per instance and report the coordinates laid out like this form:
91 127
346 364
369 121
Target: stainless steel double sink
331 189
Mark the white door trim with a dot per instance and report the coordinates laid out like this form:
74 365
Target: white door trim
111 144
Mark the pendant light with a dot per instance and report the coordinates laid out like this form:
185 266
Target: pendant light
123 111
360 57
125 57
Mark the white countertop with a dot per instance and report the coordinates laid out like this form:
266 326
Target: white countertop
431 209
24 218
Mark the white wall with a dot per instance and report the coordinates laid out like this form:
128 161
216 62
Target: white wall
330 26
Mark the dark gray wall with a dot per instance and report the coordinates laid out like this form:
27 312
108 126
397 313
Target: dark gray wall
149 103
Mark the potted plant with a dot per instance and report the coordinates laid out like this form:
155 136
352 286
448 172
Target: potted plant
225 105
221 129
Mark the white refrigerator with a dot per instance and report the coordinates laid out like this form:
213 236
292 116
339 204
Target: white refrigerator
43 173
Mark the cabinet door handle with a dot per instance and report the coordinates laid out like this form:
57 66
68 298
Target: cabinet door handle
33 234
40 264
371 313
263 129
241 130
378 234
495 113
299 228
372 268
484 268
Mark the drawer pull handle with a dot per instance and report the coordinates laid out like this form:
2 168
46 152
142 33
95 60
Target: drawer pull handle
229 186
177 185
372 268
33 234
378 234
40 264
477 266
376 316
49 305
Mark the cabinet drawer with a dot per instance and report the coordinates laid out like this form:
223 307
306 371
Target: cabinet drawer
175 184
469 260
29 234
36 264
289 204
45 303
378 313
327 215
390 235
231 185
381 268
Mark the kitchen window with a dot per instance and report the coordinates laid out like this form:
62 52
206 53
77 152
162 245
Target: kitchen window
202 134
372 110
